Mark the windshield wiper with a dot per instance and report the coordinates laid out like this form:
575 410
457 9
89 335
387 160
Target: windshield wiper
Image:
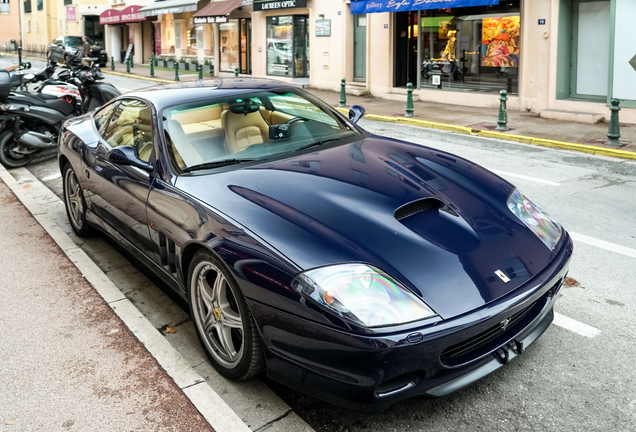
216 164
317 143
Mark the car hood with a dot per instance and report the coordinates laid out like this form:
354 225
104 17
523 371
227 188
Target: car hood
339 205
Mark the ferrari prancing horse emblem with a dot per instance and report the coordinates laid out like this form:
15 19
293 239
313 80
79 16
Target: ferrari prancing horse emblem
502 276
217 313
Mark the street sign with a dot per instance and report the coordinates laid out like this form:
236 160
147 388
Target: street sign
541 22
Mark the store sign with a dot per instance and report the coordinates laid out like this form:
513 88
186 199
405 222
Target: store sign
114 16
284 4
375 6
71 14
210 19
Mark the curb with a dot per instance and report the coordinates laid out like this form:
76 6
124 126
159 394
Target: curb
209 404
498 135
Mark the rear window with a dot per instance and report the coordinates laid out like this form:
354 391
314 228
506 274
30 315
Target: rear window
76 41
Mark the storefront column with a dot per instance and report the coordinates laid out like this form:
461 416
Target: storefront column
215 48
138 43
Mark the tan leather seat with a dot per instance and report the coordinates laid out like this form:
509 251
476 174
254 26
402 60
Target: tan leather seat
243 130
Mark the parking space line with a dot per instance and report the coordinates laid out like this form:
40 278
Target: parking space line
575 326
534 179
52 177
603 244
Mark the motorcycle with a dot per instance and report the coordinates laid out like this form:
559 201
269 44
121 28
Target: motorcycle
30 123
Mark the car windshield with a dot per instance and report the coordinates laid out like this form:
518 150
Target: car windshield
76 41
252 126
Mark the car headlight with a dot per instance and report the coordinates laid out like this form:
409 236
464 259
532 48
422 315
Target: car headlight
546 228
362 294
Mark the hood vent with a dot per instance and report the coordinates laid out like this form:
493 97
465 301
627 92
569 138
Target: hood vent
420 206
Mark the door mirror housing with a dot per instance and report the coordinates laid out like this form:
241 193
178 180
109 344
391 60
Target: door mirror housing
127 155
356 113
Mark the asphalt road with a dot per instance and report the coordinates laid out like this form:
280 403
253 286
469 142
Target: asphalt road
579 376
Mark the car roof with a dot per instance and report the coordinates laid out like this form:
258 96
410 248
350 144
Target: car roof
169 94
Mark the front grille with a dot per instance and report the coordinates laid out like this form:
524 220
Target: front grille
484 337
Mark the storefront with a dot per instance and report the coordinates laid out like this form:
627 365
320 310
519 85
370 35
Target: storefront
287 38
172 27
126 29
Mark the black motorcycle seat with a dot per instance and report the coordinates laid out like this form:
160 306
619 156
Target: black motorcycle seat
49 101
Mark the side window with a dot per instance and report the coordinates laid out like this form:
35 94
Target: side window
101 118
131 125
59 41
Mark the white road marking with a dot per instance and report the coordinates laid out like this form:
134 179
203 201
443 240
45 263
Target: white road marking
52 177
603 244
575 326
534 179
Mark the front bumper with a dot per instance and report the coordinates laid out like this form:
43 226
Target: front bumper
369 373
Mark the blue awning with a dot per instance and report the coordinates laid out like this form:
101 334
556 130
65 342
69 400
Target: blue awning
373 6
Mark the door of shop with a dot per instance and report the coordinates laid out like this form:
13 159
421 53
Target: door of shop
360 48
301 46
405 48
245 25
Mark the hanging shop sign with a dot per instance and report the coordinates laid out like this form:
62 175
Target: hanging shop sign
210 19
266 5
375 6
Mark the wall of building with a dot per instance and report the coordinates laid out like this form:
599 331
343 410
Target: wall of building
9 22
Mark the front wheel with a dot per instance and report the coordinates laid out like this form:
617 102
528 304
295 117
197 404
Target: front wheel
13 154
222 319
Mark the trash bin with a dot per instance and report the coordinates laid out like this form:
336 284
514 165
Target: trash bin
123 56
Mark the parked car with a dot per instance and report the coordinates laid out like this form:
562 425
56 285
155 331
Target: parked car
359 269
65 47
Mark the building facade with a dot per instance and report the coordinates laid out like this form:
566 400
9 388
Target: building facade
9 22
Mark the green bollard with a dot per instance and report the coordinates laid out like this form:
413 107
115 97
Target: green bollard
343 94
128 65
236 72
200 70
409 100
112 63
614 133
176 71
152 66
502 120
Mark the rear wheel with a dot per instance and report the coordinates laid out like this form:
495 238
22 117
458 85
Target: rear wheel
222 319
13 154
74 202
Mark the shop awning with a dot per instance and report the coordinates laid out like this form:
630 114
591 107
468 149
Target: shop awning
374 6
216 11
161 7
115 16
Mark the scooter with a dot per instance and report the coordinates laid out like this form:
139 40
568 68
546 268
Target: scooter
30 123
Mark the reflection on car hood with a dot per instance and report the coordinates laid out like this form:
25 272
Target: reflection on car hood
338 205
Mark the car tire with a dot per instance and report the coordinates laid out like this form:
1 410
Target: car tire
8 157
223 322
74 202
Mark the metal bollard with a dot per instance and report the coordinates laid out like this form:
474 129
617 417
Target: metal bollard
343 94
409 100
200 70
152 66
112 63
176 71
128 65
236 72
502 120
614 132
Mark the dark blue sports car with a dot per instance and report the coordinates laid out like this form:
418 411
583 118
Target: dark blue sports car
359 269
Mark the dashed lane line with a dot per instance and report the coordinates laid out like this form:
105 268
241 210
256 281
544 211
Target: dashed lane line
575 326
603 244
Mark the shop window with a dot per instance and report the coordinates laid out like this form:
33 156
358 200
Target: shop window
288 46
177 35
192 37
473 49
229 45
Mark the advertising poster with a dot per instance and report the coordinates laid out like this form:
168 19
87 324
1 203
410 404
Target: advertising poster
500 42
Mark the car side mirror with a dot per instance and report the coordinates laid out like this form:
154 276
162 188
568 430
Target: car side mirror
356 113
127 155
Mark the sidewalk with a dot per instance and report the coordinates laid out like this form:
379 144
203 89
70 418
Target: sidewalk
67 361
477 121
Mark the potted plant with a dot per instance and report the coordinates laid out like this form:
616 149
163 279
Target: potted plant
170 63
182 63
207 66
194 62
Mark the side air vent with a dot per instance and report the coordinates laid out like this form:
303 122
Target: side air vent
420 206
